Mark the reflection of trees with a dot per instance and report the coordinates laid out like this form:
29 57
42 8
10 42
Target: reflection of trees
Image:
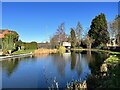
89 56
73 60
60 63
98 58
10 66
78 65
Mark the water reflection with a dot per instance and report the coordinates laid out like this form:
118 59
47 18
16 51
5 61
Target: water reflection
79 66
73 60
60 63
10 65
63 68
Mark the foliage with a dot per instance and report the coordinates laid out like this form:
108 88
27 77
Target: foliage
32 45
98 30
113 80
23 51
112 59
22 47
62 49
73 38
9 41
18 43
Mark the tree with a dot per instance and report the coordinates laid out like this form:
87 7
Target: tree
78 33
68 39
61 33
73 38
54 41
10 40
98 30
18 44
32 45
89 42
115 28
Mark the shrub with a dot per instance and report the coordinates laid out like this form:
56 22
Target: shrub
32 45
62 49
5 52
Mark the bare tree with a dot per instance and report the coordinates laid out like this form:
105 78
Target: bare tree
79 31
115 28
54 41
61 33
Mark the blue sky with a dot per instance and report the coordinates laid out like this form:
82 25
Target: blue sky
38 21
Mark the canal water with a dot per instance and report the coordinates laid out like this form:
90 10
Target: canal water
44 71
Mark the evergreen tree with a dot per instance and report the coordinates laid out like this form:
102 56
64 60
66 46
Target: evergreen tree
98 30
73 38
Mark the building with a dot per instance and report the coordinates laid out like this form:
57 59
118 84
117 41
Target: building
112 43
67 44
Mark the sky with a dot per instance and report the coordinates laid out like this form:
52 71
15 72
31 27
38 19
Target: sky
38 21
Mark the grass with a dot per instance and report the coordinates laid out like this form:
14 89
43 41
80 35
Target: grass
24 51
107 51
112 59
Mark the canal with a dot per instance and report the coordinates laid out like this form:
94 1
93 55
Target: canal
44 71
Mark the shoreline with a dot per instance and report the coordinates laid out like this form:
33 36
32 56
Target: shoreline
99 50
51 51
15 56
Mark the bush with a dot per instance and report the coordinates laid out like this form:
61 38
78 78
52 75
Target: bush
22 47
5 52
102 46
62 49
32 45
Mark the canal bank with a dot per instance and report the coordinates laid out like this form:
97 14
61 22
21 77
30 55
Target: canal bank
15 56
26 53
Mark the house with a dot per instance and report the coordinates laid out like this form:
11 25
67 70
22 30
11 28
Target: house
112 43
67 44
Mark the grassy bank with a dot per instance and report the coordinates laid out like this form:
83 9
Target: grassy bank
97 50
24 51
